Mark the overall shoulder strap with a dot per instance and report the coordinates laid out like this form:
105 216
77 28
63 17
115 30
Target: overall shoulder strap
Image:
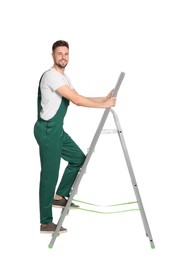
39 99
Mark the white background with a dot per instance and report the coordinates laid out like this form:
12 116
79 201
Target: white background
141 38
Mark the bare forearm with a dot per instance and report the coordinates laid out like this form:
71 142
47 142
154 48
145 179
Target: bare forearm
96 102
97 99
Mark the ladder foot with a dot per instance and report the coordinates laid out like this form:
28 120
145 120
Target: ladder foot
50 246
152 244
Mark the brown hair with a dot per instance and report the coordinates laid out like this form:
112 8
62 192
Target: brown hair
59 43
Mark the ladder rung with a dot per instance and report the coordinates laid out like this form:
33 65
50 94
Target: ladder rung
109 131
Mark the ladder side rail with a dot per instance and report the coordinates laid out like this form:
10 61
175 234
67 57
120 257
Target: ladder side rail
133 179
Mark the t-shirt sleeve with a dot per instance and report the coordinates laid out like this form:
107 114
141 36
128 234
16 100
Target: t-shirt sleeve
54 80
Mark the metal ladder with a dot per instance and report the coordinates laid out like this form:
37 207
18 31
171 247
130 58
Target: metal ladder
84 166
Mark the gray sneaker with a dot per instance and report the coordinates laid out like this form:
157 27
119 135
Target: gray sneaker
62 203
50 228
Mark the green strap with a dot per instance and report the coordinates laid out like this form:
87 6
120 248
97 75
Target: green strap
108 212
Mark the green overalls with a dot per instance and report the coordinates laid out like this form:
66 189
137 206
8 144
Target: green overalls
54 144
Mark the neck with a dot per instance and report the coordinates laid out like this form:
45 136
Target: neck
60 70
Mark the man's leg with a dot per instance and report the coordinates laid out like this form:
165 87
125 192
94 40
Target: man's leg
50 146
50 162
75 158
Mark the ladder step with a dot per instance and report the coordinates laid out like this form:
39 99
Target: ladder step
109 131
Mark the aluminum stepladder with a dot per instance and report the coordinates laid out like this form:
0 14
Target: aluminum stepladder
84 166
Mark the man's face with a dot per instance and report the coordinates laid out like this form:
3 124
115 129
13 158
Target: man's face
61 56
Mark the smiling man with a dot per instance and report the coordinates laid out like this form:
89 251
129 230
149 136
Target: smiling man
55 93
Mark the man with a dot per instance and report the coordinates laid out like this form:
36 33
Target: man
55 93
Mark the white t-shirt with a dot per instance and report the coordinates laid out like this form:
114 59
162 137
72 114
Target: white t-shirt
50 99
